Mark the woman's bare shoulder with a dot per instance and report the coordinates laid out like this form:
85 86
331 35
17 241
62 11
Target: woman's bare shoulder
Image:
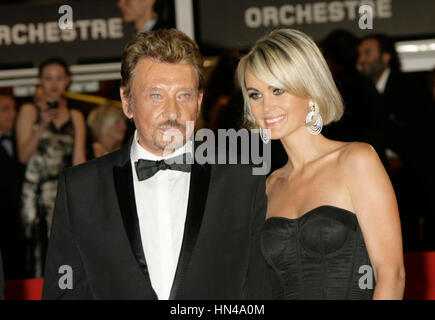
359 157
28 108
76 114
27 113
77 118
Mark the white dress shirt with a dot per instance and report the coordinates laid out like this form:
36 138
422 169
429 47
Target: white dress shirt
382 81
161 203
149 25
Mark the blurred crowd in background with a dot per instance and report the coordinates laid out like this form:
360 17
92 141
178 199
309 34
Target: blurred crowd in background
39 137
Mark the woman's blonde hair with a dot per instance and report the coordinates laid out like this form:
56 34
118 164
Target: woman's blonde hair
288 59
101 118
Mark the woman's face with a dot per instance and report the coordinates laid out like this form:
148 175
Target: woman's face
274 108
117 130
54 81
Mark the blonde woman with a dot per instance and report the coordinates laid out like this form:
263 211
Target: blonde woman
108 126
332 228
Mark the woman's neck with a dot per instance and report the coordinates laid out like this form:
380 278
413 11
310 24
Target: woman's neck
302 147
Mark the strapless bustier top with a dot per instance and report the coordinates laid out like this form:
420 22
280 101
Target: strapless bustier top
320 255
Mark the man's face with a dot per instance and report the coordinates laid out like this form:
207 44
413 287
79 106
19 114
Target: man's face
370 60
7 114
132 10
164 96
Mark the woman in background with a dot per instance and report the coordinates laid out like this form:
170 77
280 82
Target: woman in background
108 126
50 137
332 228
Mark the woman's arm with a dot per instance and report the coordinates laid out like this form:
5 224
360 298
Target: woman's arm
375 204
79 153
27 137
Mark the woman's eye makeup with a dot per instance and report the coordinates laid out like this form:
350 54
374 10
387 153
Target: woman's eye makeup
254 95
278 91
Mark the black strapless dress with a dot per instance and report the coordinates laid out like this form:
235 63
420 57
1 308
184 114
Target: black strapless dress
317 256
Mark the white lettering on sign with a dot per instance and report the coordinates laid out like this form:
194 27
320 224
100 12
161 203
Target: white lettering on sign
50 32
314 13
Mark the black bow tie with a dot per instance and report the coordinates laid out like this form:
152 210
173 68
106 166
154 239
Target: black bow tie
147 168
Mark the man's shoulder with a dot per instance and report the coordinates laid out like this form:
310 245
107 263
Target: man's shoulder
398 80
235 165
97 165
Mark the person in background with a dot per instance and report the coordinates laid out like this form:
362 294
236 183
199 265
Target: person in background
11 176
108 126
363 118
429 225
219 89
146 15
331 209
379 61
405 107
50 137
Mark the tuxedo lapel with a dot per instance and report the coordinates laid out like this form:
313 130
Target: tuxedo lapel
123 180
199 184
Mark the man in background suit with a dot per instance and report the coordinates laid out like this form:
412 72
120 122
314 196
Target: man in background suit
147 15
363 118
131 226
379 61
406 135
11 176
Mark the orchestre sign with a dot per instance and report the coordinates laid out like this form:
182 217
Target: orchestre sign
31 33
229 24
317 12
49 32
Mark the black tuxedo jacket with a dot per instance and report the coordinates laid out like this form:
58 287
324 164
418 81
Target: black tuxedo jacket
11 173
405 109
96 232
11 177
364 114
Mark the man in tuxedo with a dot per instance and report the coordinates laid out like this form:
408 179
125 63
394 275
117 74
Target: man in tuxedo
379 61
130 225
363 118
406 135
11 176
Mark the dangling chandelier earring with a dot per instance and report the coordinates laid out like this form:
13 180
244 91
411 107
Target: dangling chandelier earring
317 126
264 136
